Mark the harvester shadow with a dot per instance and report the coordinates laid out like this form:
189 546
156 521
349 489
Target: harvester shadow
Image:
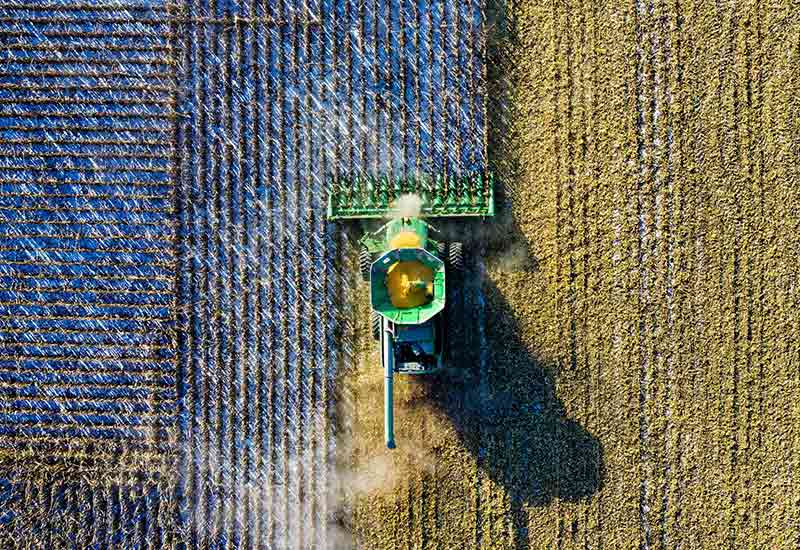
501 399
502 403
497 393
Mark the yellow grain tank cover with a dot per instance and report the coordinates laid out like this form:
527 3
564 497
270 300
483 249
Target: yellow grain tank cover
410 284
405 239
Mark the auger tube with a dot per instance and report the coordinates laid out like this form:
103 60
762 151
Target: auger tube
388 383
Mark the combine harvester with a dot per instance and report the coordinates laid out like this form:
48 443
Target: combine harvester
407 270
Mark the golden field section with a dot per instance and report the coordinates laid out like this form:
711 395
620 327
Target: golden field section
626 366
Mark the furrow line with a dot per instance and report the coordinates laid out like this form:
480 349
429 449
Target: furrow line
314 332
431 138
281 496
58 7
142 91
366 133
248 205
272 357
403 78
561 16
585 269
284 305
462 30
454 116
416 104
747 171
260 321
218 456
299 182
230 328
594 266
758 454
328 346
734 163
199 536
680 234
243 480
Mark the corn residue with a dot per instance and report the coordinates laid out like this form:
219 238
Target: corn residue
410 284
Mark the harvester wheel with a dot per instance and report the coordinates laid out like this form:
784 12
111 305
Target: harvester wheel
364 263
441 250
455 258
376 326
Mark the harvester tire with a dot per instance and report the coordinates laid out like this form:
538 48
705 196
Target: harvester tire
455 258
364 263
441 250
376 326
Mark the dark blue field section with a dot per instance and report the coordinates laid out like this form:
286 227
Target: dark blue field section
88 387
171 295
86 231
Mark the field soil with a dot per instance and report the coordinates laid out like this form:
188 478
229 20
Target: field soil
624 369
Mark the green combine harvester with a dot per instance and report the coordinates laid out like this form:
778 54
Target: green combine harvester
408 270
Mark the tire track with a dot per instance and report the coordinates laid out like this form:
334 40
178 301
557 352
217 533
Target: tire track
663 249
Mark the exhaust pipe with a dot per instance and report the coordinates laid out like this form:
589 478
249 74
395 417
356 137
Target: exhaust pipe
388 383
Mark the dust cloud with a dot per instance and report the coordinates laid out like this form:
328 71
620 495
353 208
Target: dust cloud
365 470
407 206
513 257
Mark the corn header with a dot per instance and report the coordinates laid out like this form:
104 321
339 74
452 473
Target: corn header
407 269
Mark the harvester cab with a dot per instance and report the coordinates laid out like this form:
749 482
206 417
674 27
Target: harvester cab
407 269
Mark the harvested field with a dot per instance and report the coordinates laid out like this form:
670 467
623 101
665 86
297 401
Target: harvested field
627 366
